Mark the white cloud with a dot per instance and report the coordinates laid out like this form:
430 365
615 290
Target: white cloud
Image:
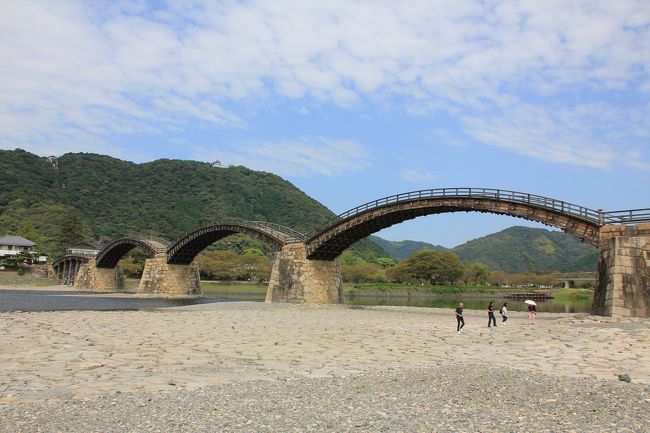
302 157
591 135
74 70
412 175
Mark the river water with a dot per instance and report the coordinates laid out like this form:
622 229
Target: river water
36 300
474 303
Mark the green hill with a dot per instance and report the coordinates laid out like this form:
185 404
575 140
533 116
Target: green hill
513 250
521 249
88 196
400 250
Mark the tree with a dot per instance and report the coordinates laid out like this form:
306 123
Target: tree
72 230
350 258
435 267
476 272
19 261
362 273
253 265
385 262
217 265
400 273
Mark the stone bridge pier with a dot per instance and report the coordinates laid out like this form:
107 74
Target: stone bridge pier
296 279
96 279
161 277
623 281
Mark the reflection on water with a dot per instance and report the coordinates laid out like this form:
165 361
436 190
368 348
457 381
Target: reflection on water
472 303
37 300
441 301
56 301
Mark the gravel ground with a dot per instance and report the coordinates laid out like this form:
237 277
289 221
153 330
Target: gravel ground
460 398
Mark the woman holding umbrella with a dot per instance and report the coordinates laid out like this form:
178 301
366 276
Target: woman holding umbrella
532 311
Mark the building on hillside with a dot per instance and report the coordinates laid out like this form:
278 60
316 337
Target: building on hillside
217 164
85 249
54 161
14 245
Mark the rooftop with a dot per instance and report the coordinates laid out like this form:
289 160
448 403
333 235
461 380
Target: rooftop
17 241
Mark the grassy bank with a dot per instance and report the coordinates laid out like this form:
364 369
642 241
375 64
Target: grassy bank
413 290
572 295
378 290
11 278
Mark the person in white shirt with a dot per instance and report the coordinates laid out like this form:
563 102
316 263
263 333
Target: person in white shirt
504 313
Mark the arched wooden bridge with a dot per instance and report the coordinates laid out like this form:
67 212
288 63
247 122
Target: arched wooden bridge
65 268
327 242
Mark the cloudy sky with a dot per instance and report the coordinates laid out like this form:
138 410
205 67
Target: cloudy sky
350 101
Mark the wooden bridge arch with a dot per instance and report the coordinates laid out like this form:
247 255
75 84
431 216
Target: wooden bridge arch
184 250
330 241
66 267
112 253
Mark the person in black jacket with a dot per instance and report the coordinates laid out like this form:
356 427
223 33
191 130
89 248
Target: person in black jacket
459 318
491 318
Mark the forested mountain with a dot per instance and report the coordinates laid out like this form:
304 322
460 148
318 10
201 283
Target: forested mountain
400 250
520 249
513 250
88 196
91 197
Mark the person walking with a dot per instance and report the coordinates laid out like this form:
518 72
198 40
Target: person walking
504 313
459 318
491 318
532 312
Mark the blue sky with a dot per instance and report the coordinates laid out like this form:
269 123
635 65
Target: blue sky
350 101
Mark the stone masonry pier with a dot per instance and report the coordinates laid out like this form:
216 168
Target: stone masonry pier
296 279
96 279
161 277
623 282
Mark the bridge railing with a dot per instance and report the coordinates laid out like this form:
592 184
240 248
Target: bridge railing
629 216
286 234
489 193
164 243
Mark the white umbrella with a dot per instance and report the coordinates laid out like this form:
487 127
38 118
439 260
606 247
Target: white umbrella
529 302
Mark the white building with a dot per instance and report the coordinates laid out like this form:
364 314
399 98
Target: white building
85 249
14 245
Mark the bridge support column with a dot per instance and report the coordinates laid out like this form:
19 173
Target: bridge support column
97 279
296 279
159 276
623 281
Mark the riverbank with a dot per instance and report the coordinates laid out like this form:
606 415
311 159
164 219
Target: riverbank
319 368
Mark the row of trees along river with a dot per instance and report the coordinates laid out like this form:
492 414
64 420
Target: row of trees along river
425 278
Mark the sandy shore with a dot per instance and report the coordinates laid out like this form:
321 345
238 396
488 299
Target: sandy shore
247 366
78 354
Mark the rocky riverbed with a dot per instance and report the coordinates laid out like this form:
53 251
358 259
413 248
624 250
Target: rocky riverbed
245 366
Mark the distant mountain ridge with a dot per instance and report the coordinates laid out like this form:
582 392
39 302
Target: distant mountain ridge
82 196
514 250
400 250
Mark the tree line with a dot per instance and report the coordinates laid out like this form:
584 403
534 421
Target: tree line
236 261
